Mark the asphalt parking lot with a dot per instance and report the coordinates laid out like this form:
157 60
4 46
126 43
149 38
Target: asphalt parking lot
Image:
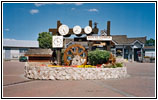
140 83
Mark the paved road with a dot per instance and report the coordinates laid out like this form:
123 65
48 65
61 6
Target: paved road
140 83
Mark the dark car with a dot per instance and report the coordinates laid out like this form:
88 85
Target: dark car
22 59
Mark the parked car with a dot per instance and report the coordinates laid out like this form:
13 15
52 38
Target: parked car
22 59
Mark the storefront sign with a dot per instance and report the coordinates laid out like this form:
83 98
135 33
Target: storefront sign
103 38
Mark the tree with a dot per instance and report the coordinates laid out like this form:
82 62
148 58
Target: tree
150 42
45 40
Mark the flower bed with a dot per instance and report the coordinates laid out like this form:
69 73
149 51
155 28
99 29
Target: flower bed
85 66
75 66
47 71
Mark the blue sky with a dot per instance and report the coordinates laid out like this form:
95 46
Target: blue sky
24 21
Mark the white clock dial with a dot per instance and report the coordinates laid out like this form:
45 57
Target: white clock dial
57 41
77 29
87 29
63 29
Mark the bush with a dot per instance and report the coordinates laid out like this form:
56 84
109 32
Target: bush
119 64
115 65
98 56
152 58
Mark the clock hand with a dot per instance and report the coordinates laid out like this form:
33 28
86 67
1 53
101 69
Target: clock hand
64 30
76 30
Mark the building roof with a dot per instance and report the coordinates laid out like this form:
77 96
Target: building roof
20 43
39 52
149 47
122 39
119 39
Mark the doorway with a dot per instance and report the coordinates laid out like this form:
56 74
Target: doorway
137 54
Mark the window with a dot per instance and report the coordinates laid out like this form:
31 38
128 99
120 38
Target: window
23 50
14 56
118 52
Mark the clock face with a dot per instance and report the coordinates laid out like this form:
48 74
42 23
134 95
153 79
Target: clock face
57 41
87 29
63 29
77 29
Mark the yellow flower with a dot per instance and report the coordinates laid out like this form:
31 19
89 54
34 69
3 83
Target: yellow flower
53 66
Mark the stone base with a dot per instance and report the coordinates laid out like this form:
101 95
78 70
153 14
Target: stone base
70 73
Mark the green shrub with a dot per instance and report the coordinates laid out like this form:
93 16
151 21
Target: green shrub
112 66
119 64
152 58
115 65
98 56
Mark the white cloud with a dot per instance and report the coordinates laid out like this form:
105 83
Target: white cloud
41 4
72 8
38 4
8 39
78 4
34 11
7 29
93 10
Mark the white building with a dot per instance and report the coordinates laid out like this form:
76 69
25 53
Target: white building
13 49
149 51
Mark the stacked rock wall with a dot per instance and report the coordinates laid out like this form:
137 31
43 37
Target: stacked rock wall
70 73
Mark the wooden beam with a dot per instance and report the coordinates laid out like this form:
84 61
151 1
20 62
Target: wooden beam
58 24
108 28
59 56
55 31
90 23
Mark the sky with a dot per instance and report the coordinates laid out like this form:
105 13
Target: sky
24 21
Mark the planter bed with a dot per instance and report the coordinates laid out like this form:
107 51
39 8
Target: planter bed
34 71
148 60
